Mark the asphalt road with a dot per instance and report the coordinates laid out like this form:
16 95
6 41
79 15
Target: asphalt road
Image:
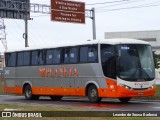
81 103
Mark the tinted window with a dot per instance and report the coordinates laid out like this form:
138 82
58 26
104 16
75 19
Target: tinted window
108 60
92 54
26 58
88 54
23 58
34 60
49 57
20 59
56 56
83 54
73 55
66 55
42 57
11 59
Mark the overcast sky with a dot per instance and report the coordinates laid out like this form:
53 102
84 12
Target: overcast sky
109 18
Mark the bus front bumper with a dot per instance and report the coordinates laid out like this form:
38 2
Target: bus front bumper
126 92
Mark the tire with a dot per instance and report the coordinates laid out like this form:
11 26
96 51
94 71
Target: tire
124 100
35 97
56 98
93 94
28 93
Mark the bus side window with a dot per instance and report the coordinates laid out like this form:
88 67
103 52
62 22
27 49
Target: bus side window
73 55
83 54
108 60
20 59
26 58
49 57
7 55
10 59
66 55
42 57
34 60
92 54
56 56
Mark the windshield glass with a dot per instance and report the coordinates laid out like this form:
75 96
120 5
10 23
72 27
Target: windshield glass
136 62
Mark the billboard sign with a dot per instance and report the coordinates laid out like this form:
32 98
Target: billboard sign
68 11
15 9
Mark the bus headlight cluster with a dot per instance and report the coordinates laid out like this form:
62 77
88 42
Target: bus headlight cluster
125 86
152 87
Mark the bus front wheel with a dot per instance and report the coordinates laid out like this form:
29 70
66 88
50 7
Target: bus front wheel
28 93
93 94
124 100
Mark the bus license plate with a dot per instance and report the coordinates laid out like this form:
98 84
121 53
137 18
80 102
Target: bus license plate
140 93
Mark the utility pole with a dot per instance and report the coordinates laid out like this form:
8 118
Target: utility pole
3 33
93 23
25 35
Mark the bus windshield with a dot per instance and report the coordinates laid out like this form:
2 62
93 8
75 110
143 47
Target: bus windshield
136 62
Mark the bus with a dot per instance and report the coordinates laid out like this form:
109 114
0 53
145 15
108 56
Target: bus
110 68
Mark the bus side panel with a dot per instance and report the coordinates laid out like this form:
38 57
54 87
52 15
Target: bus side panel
10 81
57 85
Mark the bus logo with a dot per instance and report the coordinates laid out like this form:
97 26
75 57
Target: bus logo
61 71
141 84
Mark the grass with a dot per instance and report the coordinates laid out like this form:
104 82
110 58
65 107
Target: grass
32 107
24 108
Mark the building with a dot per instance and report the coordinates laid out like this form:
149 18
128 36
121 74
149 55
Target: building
153 37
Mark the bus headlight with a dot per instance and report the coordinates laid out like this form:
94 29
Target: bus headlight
125 86
152 87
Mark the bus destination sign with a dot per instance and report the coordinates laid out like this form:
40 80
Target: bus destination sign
68 11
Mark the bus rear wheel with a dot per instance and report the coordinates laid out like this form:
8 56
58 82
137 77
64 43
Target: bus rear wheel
124 100
28 93
56 98
93 94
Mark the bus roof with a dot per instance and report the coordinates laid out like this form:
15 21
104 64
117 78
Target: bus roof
88 42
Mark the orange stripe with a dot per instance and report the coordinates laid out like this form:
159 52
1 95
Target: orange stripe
47 91
59 91
109 92
13 90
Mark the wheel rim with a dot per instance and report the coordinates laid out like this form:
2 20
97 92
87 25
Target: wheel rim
93 93
28 92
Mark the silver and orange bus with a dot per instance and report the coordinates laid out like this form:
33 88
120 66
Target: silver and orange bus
111 68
